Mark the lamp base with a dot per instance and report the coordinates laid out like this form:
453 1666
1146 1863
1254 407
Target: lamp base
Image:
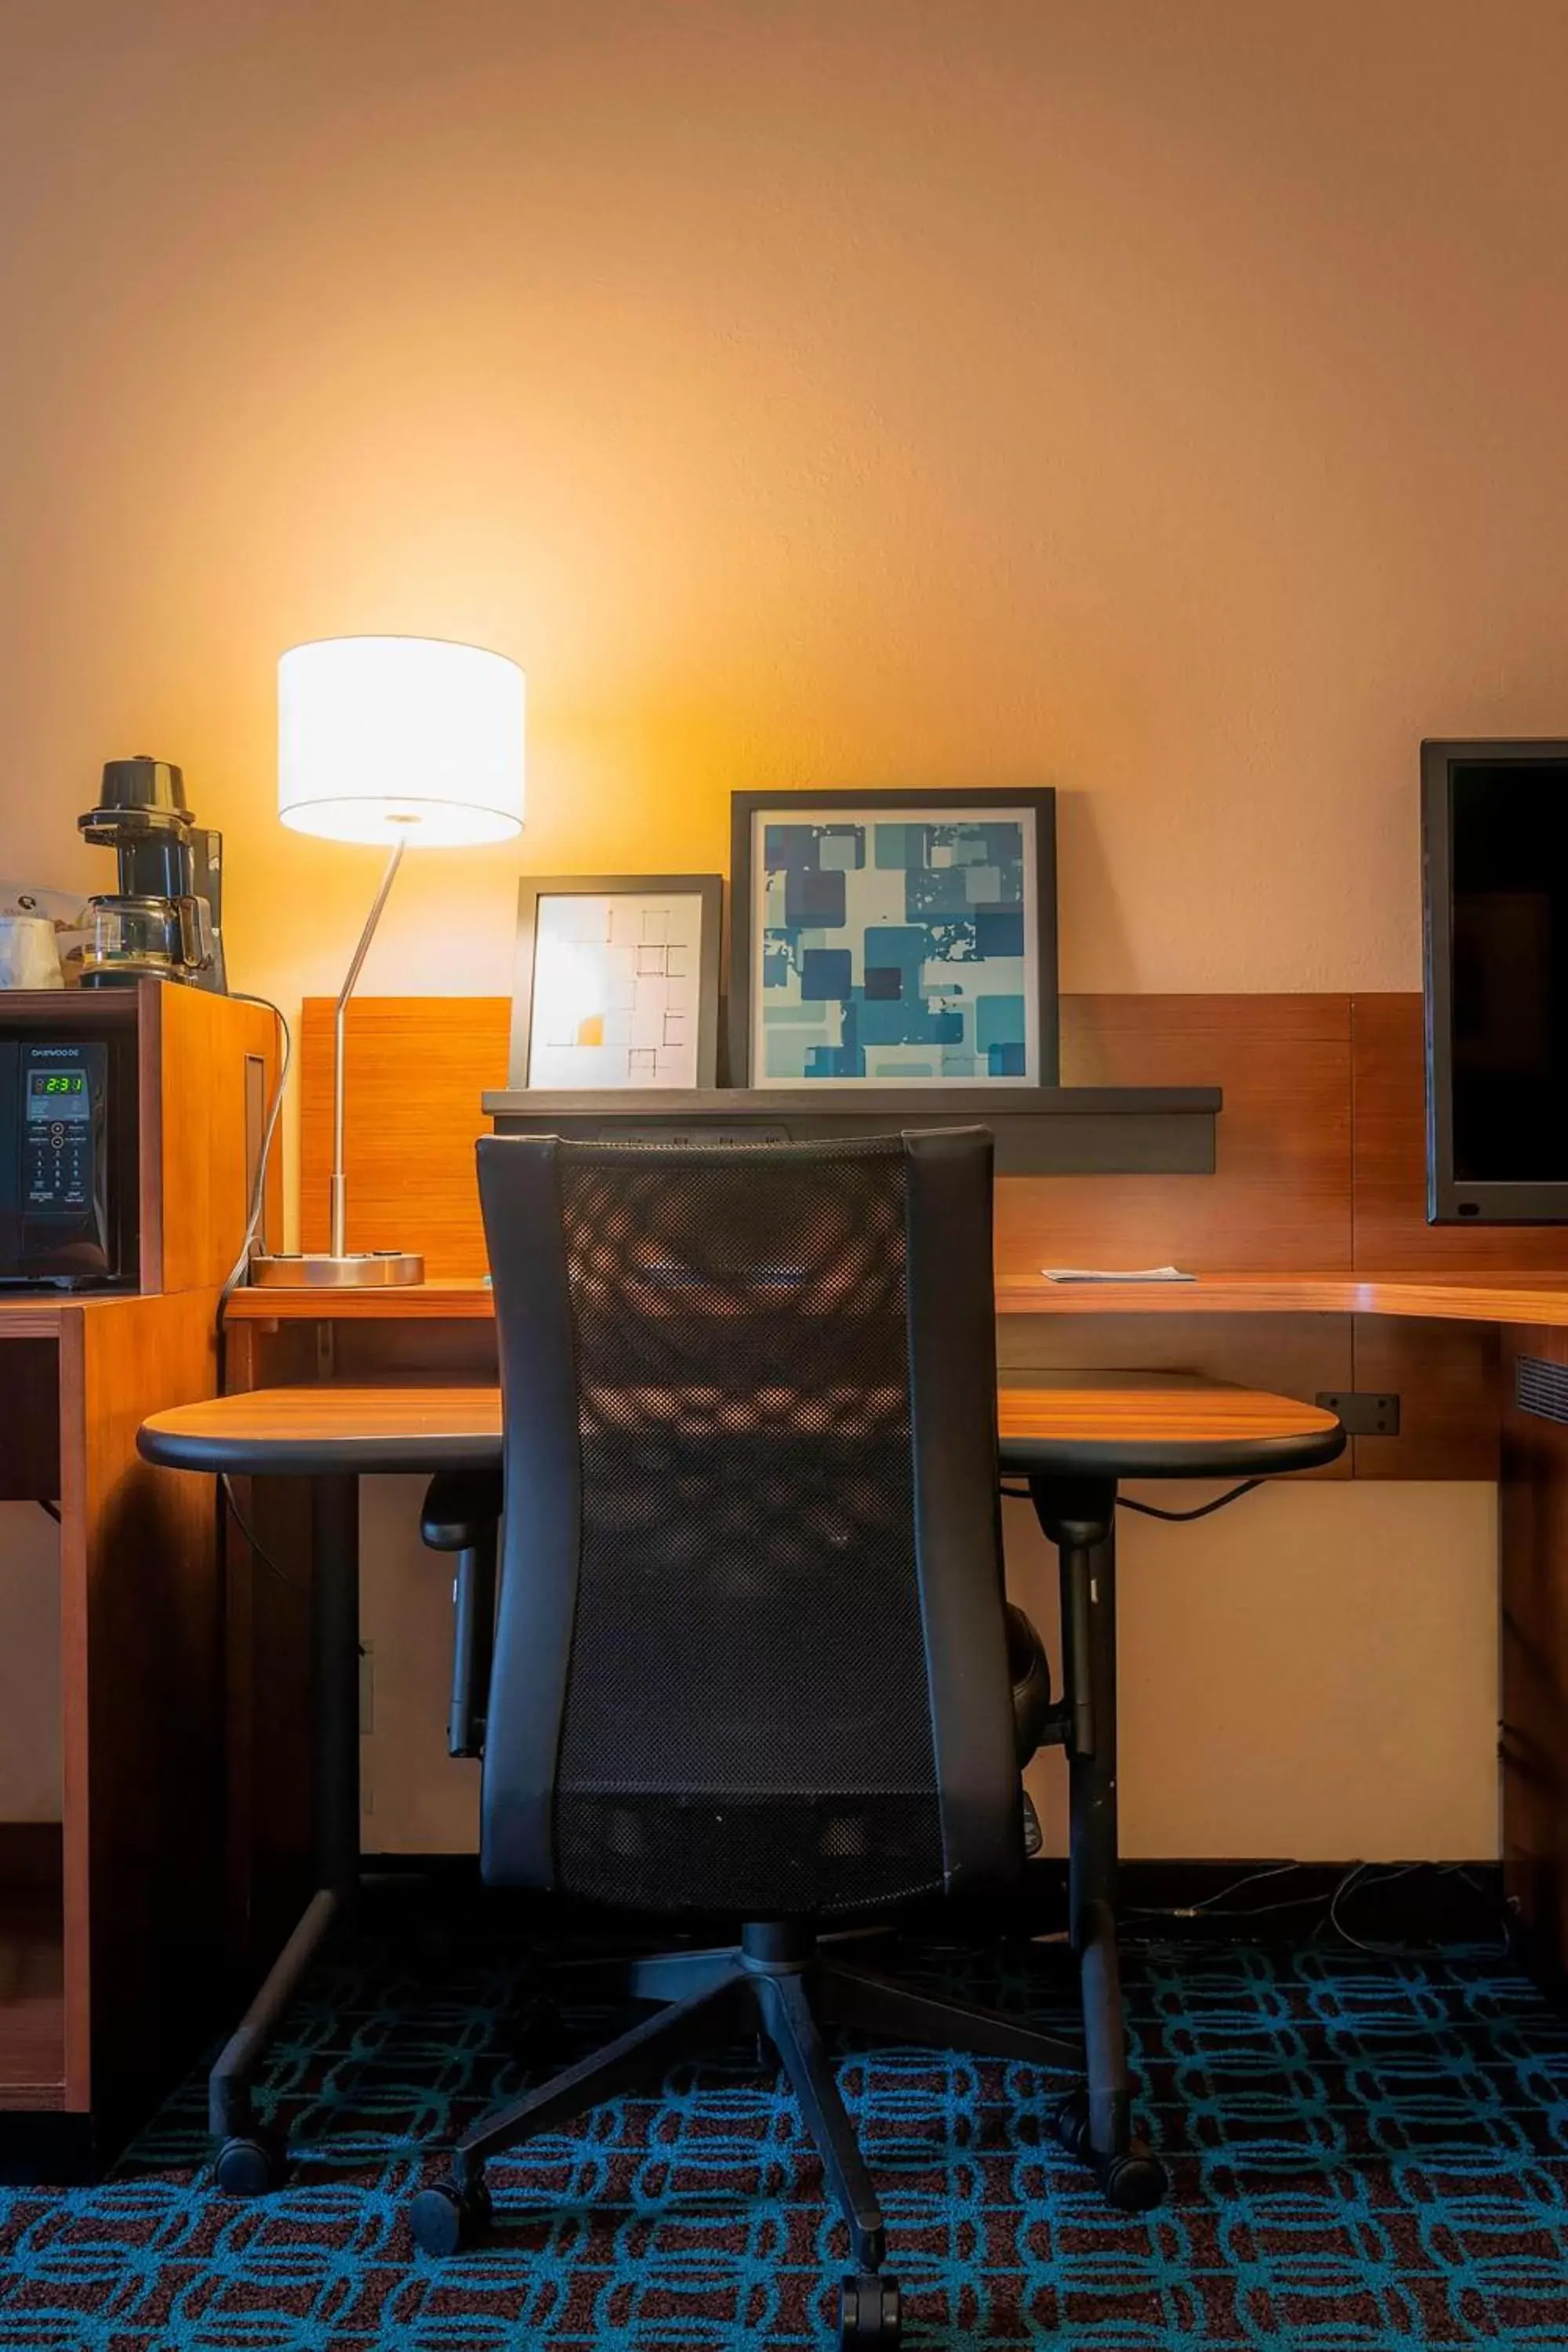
319 1270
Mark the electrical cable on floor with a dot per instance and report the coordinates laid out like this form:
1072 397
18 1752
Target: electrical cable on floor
50 1510
1196 1910
1382 1878
1330 1901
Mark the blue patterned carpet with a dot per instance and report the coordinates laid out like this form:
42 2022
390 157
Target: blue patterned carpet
1366 2152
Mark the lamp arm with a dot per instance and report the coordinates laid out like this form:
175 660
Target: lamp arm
339 1201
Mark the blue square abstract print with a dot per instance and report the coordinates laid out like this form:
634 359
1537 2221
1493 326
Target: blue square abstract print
898 950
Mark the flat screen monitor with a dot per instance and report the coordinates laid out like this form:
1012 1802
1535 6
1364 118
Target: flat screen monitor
1494 821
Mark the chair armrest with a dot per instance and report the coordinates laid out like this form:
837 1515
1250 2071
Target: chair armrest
461 1515
1030 1674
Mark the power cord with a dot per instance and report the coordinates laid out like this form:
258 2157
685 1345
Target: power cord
1182 1519
258 1190
1359 1878
237 1271
1152 1510
254 1540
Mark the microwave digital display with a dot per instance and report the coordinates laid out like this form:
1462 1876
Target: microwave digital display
54 1095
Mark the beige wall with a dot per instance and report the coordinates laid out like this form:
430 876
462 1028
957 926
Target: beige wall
1161 402
1312 1673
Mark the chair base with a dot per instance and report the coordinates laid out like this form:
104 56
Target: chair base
780 1984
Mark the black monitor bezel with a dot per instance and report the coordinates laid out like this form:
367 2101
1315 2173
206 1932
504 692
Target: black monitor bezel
1449 1202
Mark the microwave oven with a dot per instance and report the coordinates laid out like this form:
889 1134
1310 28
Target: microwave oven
67 1157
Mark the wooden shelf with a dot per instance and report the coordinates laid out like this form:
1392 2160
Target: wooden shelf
1039 1130
32 2003
413 1302
1521 1298
32 1970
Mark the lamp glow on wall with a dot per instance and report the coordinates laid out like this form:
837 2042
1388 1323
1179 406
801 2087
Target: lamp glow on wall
414 743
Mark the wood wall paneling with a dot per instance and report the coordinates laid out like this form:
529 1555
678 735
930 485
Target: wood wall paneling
1279 1197
1280 1200
1320 1169
417 1069
1389 1116
1445 1376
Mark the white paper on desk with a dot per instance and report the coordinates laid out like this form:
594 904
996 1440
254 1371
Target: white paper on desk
1102 1274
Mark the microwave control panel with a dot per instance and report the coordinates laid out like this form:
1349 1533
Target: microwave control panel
55 1117
59 1148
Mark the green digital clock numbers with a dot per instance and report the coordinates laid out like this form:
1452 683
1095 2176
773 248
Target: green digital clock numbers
58 1095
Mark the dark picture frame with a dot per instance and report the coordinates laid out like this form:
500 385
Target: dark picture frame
708 888
841 806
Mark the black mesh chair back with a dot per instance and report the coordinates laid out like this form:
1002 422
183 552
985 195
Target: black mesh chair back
751 1652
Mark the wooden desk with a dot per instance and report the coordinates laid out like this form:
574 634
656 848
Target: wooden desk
1496 1299
1318 1274
324 1430
1071 1437
1449 1340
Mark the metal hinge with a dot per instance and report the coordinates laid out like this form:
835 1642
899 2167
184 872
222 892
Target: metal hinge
1365 1413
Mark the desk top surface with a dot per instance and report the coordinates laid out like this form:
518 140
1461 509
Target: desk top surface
1145 1424
1504 1297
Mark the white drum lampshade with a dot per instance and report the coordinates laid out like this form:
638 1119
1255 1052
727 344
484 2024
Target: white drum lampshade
410 739
412 743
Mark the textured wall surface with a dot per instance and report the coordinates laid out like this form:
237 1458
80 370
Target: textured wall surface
1159 403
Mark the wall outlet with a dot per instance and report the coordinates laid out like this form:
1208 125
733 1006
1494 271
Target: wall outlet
1365 1413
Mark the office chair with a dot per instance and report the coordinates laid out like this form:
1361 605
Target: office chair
752 1655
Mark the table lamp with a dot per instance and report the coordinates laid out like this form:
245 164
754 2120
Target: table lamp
409 741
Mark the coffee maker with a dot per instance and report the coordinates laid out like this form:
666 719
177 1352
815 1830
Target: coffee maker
164 923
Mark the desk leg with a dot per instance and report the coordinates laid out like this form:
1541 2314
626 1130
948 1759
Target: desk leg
1080 1517
334 1681
250 2157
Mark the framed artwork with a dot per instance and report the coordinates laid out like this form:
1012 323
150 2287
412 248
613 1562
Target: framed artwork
893 939
617 981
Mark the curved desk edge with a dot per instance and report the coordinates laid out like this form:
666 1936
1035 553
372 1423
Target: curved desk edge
1142 1426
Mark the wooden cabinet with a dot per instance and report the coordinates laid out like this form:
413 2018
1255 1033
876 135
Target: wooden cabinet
111 1924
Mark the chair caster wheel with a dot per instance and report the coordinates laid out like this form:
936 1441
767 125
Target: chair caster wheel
868 2319
446 2219
1070 2124
1133 2183
250 2163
